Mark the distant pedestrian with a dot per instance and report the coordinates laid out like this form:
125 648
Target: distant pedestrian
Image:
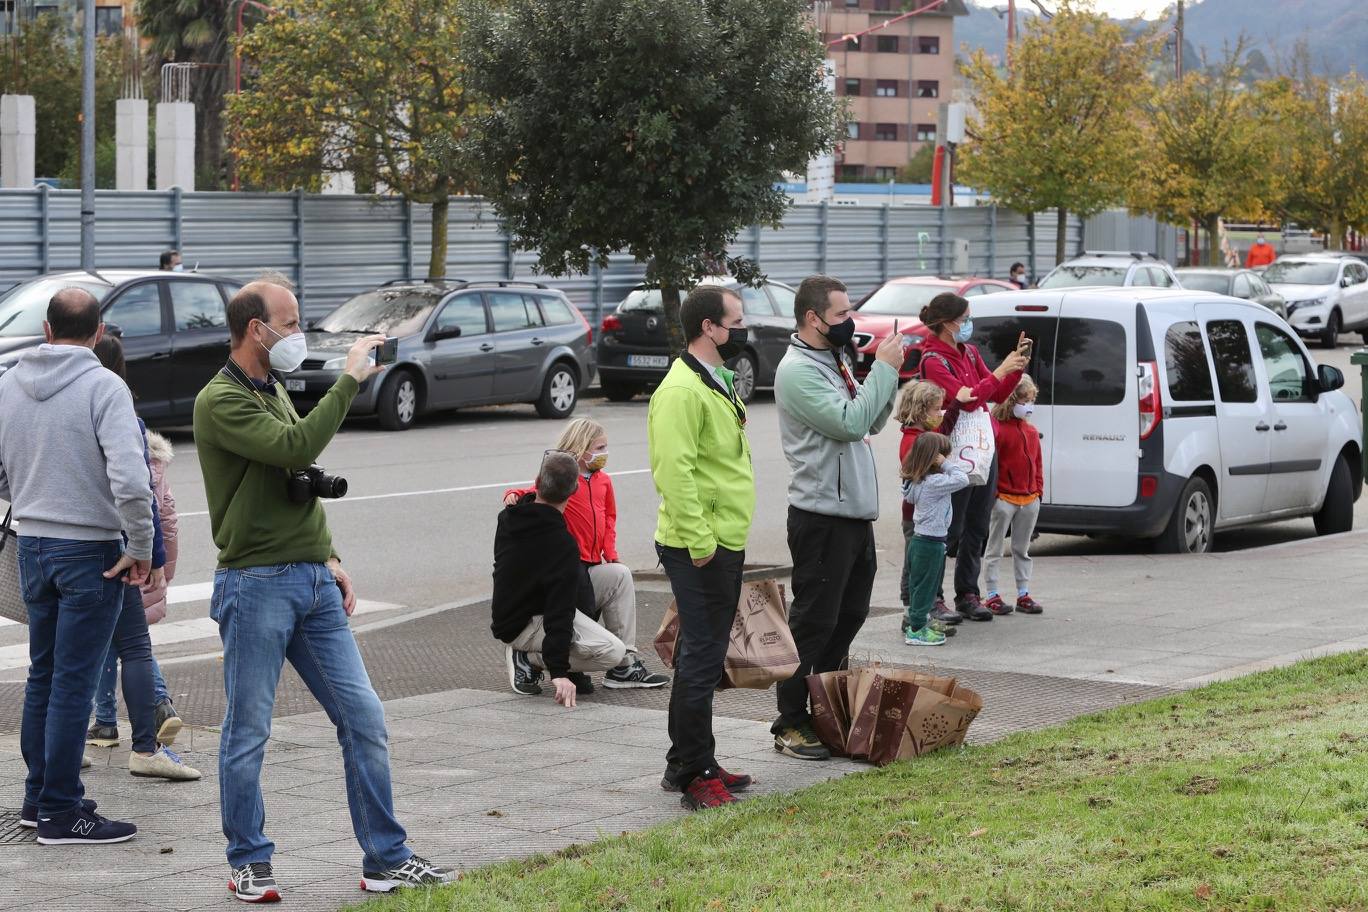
170 261
701 465
72 466
542 599
922 407
591 517
1261 253
1017 276
825 419
280 593
1021 484
928 484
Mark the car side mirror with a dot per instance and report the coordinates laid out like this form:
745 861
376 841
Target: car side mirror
1346 281
451 332
1331 378
114 329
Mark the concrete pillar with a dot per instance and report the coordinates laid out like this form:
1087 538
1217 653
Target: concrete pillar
130 135
18 135
175 145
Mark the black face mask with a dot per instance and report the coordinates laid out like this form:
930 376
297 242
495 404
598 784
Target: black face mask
840 334
735 344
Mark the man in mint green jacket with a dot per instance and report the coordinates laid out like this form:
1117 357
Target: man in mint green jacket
701 464
825 419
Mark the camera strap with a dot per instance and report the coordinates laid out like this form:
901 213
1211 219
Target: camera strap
233 371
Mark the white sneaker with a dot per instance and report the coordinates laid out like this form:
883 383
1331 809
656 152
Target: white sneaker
86 762
164 764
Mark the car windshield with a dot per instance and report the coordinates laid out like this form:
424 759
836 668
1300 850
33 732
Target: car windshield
1206 281
23 308
897 299
1065 276
1292 272
398 312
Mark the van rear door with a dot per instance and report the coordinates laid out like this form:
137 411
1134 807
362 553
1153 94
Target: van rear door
1095 451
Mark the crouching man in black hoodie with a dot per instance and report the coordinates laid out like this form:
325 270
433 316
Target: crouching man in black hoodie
541 592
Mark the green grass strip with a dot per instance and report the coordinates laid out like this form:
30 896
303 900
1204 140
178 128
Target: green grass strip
1250 794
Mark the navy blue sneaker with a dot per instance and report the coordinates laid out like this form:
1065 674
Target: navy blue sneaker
82 828
28 817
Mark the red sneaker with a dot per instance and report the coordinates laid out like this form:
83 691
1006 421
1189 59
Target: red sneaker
705 793
996 605
1027 605
733 782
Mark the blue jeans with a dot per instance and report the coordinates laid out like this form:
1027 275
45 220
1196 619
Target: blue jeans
267 615
133 646
106 705
72 612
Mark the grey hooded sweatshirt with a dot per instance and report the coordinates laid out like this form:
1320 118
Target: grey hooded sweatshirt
71 451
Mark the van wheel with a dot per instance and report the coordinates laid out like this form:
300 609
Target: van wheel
560 392
619 390
1330 335
1189 529
398 406
1337 513
1364 336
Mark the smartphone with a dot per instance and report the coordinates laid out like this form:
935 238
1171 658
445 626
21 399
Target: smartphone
388 352
906 342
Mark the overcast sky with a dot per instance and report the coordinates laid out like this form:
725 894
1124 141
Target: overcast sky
1127 8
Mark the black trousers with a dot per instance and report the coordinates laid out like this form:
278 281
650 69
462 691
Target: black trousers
706 599
833 575
968 538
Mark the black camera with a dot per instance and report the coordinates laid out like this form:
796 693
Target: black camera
306 484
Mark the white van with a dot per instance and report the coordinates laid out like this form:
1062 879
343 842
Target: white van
1174 414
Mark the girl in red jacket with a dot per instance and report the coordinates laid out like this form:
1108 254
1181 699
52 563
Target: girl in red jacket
921 407
1020 485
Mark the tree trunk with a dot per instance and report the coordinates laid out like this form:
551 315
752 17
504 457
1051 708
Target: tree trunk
674 332
1062 236
1334 235
1212 223
438 257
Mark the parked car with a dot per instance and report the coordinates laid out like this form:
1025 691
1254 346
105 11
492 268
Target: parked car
460 344
634 353
1237 283
174 328
1326 293
1112 267
1174 415
899 302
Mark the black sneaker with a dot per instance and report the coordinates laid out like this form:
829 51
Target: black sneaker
970 606
103 735
28 817
801 742
732 782
82 828
583 685
522 677
254 883
633 674
416 872
944 614
167 723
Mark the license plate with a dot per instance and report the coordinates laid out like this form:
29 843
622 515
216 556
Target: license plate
294 386
648 360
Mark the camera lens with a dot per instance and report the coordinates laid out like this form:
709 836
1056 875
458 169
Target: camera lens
334 485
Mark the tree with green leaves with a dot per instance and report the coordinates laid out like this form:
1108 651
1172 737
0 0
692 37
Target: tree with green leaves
1062 129
658 127
1210 148
368 87
921 166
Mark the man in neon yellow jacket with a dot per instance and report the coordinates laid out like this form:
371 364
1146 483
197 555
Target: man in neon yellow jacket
701 463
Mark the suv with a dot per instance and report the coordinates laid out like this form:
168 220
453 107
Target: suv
1111 267
460 343
1238 283
634 351
173 325
1326 293
1174 414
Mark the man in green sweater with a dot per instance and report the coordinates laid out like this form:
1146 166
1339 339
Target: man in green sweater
280 592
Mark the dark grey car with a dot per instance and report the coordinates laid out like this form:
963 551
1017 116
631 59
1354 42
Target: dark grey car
1238 283
460 344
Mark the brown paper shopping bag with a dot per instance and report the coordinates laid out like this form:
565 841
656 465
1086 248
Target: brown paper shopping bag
938 720
761 651
830 709
895 700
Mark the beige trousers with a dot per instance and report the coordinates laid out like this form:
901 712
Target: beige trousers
591 647
615 596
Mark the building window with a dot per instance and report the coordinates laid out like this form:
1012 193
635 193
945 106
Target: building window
108 20
852 44
887 44
883 6
928 88
926 132
928 44
853 130
852 87
852 4
884 173
886 131
850 172
886 88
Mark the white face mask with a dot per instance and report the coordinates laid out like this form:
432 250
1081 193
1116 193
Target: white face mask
179 267
1023 409
287 354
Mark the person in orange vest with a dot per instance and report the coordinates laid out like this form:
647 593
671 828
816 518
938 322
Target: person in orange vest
1261 253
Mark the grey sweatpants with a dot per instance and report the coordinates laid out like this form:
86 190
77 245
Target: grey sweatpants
1022 521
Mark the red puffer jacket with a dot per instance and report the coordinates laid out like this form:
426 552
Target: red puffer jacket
951 367
1021 470
591 517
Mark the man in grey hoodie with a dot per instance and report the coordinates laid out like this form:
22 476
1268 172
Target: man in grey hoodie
825 419
72 467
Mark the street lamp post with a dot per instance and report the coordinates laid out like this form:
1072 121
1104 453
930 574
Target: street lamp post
88 136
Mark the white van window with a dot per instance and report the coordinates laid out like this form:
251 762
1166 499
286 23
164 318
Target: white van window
1234 364
1090 362
1185 360
1288 374
995 337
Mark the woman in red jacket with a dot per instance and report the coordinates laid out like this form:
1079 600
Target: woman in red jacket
1021 484
591 516
952 364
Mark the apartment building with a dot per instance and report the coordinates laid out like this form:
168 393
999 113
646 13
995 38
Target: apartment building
110 15
895 79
